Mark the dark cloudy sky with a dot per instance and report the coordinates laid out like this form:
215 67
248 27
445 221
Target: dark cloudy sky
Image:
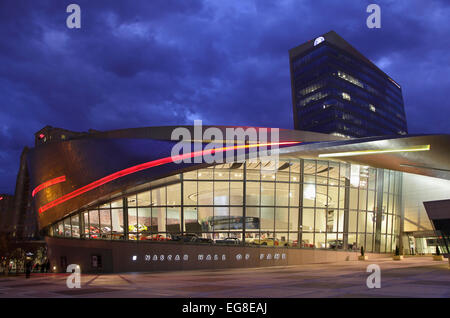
150 62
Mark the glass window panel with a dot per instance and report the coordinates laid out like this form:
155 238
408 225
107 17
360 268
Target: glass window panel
332 220
352 221
353 198
174 194
190 193
295 177
371 201
282 239
295 166
389 244
252 193
293 194
221 173
321 221
173 220
191 175
372 178
253 218
332 241
281 219
322 180
309 179
105 205
333 193
362 199
267 193
369 243
308 220
361 242
205 193
283 175
117 224
117 203
132 224
236 219
221 219
383 223
362 222
307 240
206 174
60 229
309 195
293 219
76 226
94 229
352 241
159 196
253 170
310 167
105 224
143 199
144 221
158 220
267 219
237 173
341 221
370 222
132 200
85 218
236 193
383 244
282 194
391 204
321 196
221 193
191 222
67 227
320 240
341 197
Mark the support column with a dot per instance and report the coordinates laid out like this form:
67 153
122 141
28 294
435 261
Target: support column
379 209
300 204
346 212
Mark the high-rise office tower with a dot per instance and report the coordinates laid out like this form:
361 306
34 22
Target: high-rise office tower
336 90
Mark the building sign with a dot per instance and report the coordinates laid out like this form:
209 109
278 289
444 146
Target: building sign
209 257
319 40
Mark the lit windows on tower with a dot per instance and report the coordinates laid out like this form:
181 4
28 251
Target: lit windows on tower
346 96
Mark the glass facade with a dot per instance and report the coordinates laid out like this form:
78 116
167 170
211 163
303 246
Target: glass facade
335 92
301 204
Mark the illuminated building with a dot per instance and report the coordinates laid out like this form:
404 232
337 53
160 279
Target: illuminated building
336 90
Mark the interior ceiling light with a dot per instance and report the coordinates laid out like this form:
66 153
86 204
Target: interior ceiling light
374 151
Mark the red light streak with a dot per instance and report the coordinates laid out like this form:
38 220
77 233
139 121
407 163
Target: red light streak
147 165
47 184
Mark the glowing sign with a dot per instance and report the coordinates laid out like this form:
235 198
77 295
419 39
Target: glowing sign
48 184
150 164
319 40
375 151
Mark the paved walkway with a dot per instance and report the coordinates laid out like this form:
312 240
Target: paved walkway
412 277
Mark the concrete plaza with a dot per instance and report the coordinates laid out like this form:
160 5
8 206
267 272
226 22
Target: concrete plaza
411 277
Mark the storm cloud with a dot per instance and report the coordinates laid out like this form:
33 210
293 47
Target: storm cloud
148 63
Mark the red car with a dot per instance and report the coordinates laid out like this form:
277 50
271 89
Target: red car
154 237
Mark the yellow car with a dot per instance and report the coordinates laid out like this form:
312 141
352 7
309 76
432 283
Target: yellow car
266 242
